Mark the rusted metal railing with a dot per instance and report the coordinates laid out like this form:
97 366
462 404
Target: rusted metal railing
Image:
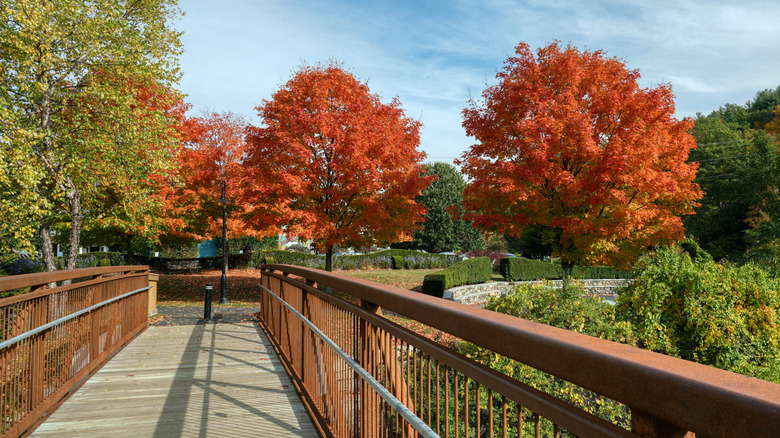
459 397
53 339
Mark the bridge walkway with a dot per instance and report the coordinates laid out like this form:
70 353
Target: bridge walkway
202 379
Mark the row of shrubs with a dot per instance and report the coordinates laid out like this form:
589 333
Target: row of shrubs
470 271
521 269
387 259
25 264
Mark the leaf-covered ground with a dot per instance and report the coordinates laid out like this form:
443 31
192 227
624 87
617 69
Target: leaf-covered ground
190 289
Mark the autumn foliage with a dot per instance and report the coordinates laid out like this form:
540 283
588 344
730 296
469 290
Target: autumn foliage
333 164
213 153
567 140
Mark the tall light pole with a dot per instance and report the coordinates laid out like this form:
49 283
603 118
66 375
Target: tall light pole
223 296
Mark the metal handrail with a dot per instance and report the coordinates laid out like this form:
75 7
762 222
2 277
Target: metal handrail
42 328
418 424
688 395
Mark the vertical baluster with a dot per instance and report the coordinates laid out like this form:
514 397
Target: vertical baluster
537 426
490 413
503 417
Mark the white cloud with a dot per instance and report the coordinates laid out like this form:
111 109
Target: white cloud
435 55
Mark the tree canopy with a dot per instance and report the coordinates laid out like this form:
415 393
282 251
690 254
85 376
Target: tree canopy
73 73
567 141
215 154
333 164
739 172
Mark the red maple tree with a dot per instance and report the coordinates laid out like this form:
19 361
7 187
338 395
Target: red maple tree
333 164
213 155
568 141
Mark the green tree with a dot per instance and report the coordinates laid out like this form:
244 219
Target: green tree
761 109
738 173
441 231
532 243
72 73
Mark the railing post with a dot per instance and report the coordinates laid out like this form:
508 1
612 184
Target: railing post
153 279
647 426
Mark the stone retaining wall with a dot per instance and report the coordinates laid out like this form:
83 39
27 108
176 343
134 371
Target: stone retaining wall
479 293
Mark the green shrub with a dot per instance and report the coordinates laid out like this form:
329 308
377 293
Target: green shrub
398 262
469 271
93 259
376 260
693 249
723 316
522 269
567 309
286 258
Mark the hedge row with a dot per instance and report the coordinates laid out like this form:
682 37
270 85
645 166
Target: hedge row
469 271
522 269
387 259
24 264
377 260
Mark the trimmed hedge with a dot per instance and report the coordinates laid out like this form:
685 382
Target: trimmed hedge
522 269
386 259
469 271
24 264
377 260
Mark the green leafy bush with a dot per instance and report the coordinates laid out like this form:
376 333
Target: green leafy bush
398 262
727 317
568 309
469 271
522 269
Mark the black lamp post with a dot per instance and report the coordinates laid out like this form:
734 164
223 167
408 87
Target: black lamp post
223 296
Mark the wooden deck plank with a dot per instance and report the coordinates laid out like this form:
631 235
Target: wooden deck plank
192 381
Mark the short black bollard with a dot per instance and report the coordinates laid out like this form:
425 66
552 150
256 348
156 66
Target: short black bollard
207 304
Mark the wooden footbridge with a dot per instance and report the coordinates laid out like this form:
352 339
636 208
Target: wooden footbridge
77 359
204 380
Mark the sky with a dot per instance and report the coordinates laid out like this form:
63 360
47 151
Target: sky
436 55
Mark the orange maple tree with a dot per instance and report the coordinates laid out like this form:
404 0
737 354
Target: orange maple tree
212 155
568 141
333 164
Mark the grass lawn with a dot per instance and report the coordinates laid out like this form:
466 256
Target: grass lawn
411 279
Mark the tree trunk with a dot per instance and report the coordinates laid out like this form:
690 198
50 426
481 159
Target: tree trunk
44 231
76 218
568 268
329 258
